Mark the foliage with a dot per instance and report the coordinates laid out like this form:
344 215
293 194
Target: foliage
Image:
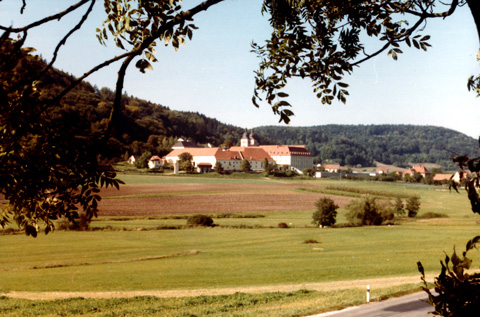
49 164
368 211
412 206
398 207
200 220
324 40
245 166
326 213
456 293
80 224
363 144
218 168
142 161
308 172
185 162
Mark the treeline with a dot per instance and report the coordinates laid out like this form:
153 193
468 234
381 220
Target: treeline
398 145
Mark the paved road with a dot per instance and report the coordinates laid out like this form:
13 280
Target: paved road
410 305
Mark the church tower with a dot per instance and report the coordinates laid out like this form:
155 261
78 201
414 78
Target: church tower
252 141
244 141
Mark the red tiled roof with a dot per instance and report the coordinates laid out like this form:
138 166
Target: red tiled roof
441 177
331 166
286 150
421 169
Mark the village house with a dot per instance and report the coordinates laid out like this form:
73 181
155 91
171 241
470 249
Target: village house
422 170
382 171
155 162
331 168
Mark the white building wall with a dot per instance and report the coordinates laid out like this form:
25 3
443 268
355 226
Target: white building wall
204 159
282 159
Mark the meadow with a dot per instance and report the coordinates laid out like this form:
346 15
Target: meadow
246 265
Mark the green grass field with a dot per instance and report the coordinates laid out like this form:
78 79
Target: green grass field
240 252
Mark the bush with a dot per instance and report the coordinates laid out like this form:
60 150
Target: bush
367 211
283 225
413 206
200 220
398 207
326 214
82 223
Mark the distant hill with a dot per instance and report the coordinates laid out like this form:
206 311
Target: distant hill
398 145
145 126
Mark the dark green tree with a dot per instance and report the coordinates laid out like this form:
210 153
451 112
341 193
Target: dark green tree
368 211
218 168
412 206
245 166
326 213
185 162
142 161
398 207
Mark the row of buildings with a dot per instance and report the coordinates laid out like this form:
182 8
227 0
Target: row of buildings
295 157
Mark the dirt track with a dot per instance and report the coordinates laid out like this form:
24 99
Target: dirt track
327 286
137 200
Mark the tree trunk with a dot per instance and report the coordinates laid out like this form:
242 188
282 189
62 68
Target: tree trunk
475 9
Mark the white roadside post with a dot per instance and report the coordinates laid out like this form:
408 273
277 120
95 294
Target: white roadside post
368 293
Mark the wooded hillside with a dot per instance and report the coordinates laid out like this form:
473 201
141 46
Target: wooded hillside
389 144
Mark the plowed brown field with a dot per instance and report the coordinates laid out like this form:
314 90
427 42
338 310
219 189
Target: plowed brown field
141 200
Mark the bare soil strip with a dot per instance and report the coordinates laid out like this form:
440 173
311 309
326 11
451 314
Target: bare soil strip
161 199
326 286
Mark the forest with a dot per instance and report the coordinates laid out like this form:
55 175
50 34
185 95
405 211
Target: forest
399 145
146 126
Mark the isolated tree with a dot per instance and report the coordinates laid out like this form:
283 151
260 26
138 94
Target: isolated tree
245 166
142 161
321 40
412 206
218 168
326 213
185 162
398 207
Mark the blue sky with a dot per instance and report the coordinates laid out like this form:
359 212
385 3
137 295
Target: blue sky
213 73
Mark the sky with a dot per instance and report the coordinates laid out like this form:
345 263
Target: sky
214 73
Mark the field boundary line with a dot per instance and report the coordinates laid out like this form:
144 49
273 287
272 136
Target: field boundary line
148 258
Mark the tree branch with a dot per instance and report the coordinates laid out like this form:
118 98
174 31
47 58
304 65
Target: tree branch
445 14
57 16
179 18
398 39
64 40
